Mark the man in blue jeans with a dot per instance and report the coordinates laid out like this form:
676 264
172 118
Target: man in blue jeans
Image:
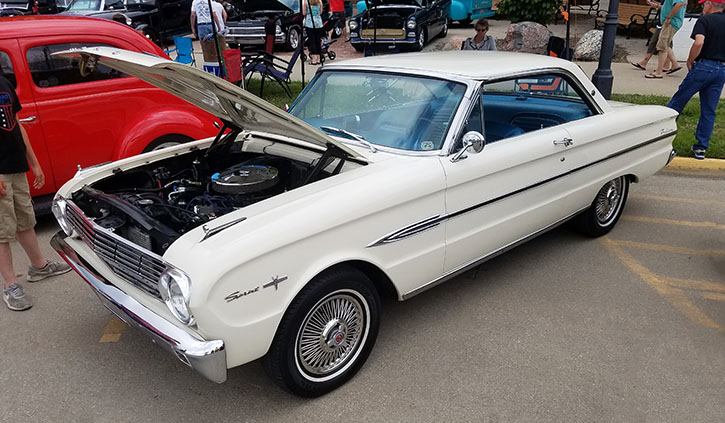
706 63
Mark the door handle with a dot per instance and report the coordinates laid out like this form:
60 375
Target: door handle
566 142
28 119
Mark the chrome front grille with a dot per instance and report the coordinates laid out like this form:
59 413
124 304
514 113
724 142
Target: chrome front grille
137 266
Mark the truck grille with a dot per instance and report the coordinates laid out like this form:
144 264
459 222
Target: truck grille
135 265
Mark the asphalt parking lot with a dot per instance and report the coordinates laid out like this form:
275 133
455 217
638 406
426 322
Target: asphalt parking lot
627 328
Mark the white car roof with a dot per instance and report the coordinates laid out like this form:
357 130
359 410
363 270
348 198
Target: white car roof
468 64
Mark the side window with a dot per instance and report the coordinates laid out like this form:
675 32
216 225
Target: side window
52 71
516 106
6 68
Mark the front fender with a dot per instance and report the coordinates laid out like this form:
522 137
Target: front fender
186 121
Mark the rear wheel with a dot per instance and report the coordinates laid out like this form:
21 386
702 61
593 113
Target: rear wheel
326 334
605 210
358 47
166 141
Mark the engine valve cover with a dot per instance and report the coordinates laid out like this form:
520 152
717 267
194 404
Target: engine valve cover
245 179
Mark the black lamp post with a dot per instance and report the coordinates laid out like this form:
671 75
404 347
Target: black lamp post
603 77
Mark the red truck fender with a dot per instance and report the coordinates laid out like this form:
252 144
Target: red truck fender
165 125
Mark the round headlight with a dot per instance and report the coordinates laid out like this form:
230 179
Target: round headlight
58 208
175 287
411 24
353 25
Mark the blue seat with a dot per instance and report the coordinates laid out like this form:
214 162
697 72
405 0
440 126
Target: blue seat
499 130
184 50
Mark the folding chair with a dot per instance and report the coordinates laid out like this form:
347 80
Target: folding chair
273 67
184 51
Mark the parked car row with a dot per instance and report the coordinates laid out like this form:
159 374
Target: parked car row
80 116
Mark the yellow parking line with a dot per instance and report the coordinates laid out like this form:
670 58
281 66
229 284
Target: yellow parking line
678 200
693 284
675 296
113 331
714 296
710 225
668 248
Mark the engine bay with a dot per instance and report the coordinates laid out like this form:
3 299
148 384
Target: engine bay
154 204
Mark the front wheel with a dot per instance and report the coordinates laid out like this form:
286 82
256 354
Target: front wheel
605 210
420 41
294 37
326 334
444 30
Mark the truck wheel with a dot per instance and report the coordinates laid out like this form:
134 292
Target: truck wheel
605 210
326 333
294 37
166 141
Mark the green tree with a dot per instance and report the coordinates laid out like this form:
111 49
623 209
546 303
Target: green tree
541 11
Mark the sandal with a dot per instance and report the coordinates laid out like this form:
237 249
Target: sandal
637 65
671 71
653 76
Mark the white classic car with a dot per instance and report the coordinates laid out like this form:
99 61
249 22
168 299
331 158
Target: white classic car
388 176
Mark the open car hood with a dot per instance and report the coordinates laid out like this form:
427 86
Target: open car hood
374 3
255 5
210 93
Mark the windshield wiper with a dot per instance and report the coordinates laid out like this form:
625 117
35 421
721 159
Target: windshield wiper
356 137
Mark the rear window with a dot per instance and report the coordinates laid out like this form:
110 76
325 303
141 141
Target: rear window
53 71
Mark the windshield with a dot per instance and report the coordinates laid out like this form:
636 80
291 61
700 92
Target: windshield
95 5
404 112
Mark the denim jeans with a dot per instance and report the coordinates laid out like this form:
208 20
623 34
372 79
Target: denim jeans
706 77
205 32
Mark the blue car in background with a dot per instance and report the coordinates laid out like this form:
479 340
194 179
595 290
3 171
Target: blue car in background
463 11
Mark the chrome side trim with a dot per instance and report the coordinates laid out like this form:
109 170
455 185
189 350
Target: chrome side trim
410 230
464 268
207 357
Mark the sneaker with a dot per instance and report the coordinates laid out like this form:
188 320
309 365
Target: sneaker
699 153
51 268
15 298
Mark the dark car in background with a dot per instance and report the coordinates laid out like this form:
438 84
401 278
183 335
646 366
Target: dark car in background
25 7
94 7
393 23
246 20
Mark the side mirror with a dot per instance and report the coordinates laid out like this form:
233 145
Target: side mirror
473 141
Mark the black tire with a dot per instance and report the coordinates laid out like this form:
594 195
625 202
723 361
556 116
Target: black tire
331 55
337 315
605 210
465 22
293 38
166 141
358 47
444 30
152 35
420 40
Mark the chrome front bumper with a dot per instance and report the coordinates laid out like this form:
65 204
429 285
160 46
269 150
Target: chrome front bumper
206 357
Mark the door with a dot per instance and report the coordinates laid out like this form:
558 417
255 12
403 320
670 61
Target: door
11 66
82 117
512 189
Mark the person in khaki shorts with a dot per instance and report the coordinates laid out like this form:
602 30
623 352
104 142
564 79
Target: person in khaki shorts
672 15
17 218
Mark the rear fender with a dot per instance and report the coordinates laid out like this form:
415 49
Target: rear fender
146 128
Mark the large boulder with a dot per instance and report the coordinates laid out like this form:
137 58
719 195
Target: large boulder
589 45
526 37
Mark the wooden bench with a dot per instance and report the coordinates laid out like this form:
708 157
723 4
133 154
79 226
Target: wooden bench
592 5
630 16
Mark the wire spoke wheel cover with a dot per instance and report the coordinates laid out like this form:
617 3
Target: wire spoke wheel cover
608 199
331 334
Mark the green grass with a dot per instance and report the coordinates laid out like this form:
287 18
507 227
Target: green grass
686 124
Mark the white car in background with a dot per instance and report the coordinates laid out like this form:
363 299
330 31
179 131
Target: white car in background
388 176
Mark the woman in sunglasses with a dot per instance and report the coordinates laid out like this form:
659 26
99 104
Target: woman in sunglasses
481 41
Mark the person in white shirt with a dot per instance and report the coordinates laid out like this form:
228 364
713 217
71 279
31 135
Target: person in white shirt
201 20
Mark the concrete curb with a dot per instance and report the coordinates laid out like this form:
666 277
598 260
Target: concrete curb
691 164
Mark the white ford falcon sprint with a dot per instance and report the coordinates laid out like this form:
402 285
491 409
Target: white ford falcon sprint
388 176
